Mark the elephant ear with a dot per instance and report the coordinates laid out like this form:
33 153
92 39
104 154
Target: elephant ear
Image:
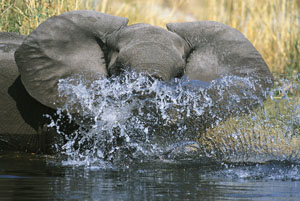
62 46
217 50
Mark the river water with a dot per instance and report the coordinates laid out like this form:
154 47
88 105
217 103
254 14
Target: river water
142 139
30 177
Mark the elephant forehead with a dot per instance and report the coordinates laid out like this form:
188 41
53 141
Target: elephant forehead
143 30
141 33
149 51
152 58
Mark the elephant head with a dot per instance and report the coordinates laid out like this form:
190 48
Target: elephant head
93 43
147 48
202 51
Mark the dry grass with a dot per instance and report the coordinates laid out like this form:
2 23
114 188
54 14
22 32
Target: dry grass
271 25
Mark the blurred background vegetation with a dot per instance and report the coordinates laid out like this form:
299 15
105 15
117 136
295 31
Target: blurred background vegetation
273 26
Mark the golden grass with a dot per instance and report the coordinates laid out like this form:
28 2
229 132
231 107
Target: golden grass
271 25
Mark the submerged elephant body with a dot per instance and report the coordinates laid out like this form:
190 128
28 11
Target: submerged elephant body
21 117
94 44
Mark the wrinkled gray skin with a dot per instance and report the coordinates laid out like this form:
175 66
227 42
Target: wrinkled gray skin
147 48
92 44
9 42
62 46
216 50
22 125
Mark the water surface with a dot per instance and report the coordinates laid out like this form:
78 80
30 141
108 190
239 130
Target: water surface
32 177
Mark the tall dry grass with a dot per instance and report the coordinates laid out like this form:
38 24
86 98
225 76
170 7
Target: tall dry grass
271 25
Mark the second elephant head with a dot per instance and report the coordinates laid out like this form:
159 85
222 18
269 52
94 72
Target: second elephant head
93 43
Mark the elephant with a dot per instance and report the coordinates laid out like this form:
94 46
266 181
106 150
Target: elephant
20 114
95 44
23 125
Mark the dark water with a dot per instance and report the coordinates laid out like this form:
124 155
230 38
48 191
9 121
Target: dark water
32 177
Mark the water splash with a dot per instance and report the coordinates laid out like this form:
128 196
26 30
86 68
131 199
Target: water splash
268 133
135 117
